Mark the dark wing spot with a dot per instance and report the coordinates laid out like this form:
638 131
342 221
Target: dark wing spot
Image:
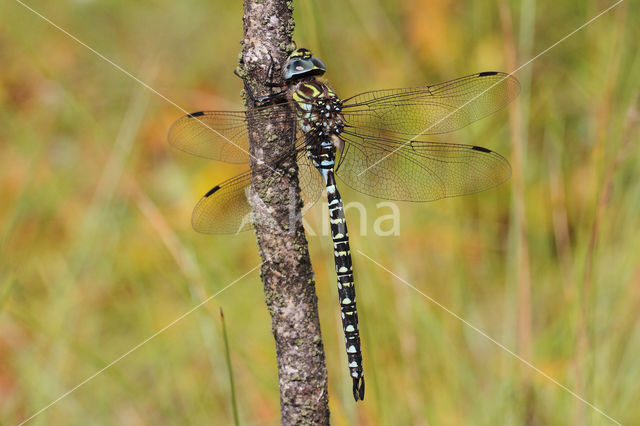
478 148
195 114
487 73
212 190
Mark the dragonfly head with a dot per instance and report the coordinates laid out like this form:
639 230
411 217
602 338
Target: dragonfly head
301 63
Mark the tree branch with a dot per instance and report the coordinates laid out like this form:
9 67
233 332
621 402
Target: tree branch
275 197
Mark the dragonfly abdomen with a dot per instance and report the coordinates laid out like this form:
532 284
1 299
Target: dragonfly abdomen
346 286
323 153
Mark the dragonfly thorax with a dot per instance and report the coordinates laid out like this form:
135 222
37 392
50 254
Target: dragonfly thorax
318 109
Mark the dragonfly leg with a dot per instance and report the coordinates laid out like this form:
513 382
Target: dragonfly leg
268 81
275 98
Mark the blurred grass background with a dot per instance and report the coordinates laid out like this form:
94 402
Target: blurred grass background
97 252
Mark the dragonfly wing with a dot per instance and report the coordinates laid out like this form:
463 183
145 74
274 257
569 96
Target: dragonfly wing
406 170
223 135
225 209
429 110
311 183
219 135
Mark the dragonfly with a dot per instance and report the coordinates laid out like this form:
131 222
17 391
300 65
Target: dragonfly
373 142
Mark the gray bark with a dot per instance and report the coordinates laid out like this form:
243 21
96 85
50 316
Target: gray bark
286 273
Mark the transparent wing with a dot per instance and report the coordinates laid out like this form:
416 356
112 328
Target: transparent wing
428 110
225 208
400 169
222 135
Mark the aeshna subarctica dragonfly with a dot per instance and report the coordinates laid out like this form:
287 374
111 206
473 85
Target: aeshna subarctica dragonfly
370 141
